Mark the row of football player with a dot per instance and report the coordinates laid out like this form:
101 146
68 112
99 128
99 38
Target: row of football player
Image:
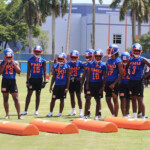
67 76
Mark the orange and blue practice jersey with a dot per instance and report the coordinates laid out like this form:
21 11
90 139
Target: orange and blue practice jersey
9 71
97 70
136 67
36 67
125 78
113 70
86 67
76 69
60 73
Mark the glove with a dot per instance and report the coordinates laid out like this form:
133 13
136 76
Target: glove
43 84
27 84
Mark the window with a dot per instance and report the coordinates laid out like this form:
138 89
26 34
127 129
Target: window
117 39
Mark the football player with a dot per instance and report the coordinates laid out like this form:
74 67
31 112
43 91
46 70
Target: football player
35 72
8 68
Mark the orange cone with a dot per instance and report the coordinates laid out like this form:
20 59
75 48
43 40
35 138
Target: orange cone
93 125
18 128
126 123
55 127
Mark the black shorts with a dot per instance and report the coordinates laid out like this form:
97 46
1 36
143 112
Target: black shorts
59 92
75 86
35 84
109 91
136 87
94 90
9 86
124 91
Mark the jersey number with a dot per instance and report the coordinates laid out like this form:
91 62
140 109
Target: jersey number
134 69
36 69
95 76
9 68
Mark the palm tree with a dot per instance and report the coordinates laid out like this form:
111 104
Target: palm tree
68 28
135 7
93 23
58 6
29 10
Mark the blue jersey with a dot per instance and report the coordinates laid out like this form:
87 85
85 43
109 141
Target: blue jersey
86 67
113 71
136 67
36 67
97 71
125 77
76 69
61 73
9 71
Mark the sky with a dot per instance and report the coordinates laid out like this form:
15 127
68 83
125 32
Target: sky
90 1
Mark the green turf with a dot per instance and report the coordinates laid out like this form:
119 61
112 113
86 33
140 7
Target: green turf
85 140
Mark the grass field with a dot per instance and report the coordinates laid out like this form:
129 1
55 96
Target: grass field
85 140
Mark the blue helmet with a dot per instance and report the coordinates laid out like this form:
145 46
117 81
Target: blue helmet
98 55
74 53
125 55
88 52
37 48
8 52
74 56
62 55
61 58
113 49
136 49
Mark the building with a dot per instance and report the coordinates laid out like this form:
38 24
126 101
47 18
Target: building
108 29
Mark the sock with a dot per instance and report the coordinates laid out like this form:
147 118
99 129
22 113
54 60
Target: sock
73 110
135 115
80 110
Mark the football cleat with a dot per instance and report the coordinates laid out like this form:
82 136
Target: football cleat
36 113
24 113
50 114
7 117
58 115
72 114
96 118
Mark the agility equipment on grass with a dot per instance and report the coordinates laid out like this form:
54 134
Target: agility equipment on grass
97 126
18 128
126 123
55 127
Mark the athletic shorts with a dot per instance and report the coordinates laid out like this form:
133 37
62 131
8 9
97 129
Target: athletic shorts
94 90
35 84
109 91
75 86
124 91
59 92
136 87
9 86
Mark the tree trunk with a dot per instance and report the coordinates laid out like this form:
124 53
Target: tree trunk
139 28
53 33
5 44
30 39
68 28
133 25
93 37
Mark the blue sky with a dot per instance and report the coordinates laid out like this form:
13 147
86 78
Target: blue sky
90 1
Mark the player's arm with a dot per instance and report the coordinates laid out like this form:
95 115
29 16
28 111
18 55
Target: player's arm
104 81
44 70
53 80
16 66
68 80
2 67
83 78
88 79
145 61
119 77
28 71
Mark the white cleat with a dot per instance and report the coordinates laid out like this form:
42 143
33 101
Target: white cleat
80 114
84 117
139 115
36 113
24 113
58 115
50 114
96 118
72 114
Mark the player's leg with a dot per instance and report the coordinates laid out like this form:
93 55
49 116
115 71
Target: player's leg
28 98
79 103
116 104
72 98
87 105
38 93
141 103
17 104
127 107
134 105
97 108
52 104
61 107
6 104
